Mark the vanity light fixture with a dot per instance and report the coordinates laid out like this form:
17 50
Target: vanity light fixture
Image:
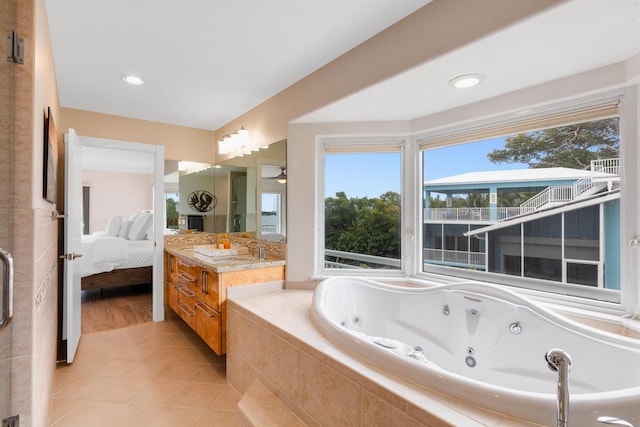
236 142
132 80
466 81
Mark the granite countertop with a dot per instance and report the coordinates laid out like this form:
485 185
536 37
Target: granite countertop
222 264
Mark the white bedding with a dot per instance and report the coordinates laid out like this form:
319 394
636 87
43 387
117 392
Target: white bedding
105 253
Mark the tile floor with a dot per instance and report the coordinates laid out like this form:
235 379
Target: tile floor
150 374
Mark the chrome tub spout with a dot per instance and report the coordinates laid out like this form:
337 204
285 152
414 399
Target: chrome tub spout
559 361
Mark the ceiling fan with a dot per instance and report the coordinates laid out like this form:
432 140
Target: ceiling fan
282 177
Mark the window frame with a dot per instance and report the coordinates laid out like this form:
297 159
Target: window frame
354 145
629 294
412 202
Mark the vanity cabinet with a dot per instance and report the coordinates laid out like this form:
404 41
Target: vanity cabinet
198 293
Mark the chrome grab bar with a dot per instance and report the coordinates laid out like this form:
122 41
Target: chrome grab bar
7 288
559 361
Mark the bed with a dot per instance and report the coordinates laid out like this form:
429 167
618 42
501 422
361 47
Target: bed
113 259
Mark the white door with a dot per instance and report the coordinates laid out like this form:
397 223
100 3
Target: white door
72 245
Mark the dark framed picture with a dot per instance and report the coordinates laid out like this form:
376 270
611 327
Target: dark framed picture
50 159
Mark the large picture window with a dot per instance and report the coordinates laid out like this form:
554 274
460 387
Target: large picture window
362 207
534 203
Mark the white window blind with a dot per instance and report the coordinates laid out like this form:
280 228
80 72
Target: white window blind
530 123
362 147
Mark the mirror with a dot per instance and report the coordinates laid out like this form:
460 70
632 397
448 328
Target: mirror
241 195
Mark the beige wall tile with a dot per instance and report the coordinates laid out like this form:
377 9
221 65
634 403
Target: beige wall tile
378 413
328 396
280 363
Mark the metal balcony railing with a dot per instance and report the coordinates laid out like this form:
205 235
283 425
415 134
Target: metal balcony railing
338 259
472 259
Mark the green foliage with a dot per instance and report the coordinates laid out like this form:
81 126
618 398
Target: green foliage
172 211
363 225
572 146
514 199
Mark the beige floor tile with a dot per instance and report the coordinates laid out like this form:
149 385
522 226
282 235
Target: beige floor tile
103 389
227 401
214 418
149 370
150 374
159 393
60 408
198 395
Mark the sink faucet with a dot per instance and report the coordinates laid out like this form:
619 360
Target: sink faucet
559 361
262 252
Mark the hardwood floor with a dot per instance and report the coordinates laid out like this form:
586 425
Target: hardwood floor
114 308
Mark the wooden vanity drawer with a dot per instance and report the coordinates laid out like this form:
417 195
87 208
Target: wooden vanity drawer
190 281
173 295
187 305
209 289
187 268
208 325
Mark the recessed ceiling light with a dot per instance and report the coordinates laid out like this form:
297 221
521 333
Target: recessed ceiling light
466 81
132 80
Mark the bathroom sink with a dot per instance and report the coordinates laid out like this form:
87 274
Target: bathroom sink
214 252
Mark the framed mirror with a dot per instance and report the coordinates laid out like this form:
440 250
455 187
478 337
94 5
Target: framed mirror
241 195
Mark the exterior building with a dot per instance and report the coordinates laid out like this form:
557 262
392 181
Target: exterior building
567 231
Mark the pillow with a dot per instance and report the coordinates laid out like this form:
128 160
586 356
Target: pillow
138 229
124 229
149 233
133 216
113 226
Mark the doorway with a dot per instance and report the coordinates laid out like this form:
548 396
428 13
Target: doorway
127 156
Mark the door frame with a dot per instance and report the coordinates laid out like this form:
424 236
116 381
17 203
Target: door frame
159 207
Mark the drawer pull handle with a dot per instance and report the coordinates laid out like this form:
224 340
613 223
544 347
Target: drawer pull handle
184 264
186 292
185 310
203 280
187 278
204 310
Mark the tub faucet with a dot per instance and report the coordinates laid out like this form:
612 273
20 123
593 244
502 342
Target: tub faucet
559 361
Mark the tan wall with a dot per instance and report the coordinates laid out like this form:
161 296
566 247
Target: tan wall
181 143
116 194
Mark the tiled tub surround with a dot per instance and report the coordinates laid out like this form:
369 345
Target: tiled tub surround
272 340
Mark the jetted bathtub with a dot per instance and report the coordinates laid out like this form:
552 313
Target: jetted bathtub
485 345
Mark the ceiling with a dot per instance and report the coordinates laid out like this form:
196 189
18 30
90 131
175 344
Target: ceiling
206 62
577 36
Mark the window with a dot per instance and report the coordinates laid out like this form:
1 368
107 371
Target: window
541 203
362 206
172 200
271 213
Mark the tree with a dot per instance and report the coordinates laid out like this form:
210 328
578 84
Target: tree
172 212
363 225
572 146
339 216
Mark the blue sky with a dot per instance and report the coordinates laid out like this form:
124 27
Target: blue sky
378 171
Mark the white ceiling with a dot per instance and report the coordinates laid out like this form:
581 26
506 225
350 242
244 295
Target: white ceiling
577 36
205 62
